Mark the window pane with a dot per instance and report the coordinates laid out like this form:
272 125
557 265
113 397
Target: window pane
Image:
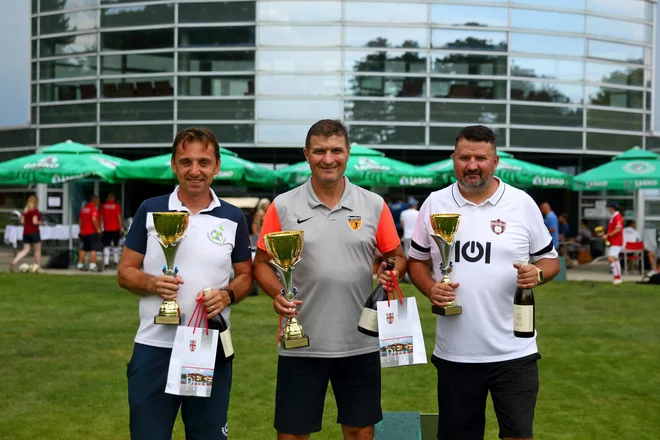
136 134
60 5
385 86
18 138
555 116
67 45
615 74
546 92
547 21
272 85
293 134
445 136
618 29
137 87
289 61
217 37
628 8
547 68
382 61
544 44
216 12
615 51
615 97
469 15
137 63
67 114
84 135
468 40
467 89
387 135
564 4
612 142
136 40
546 139
35 27
216 85
68 91
385 37
313 110
137 111
114 2
460 64
385 111
137 16
233 133
33 70
234 61
299 11
226 109
614 120
75 21
299 35
68 68
390 13
468 113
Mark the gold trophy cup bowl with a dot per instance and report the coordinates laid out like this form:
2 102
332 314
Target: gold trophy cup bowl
284 249
170 227
600 231
445 227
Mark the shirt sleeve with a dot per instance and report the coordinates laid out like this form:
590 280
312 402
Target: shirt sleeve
540 240
242 248
420 245
270 224
618 221
387 238
136 239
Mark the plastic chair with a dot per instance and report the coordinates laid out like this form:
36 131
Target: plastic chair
633 251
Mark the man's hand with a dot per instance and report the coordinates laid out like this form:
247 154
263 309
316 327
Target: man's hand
286 308
528 277
442 294
215 301
167 286
384 276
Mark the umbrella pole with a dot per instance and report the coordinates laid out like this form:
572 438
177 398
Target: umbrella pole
640 212
67 191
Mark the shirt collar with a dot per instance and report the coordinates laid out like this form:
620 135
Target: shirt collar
347 198
175 204
493 200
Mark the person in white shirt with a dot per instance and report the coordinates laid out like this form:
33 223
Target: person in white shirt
476 352
631 235
408 219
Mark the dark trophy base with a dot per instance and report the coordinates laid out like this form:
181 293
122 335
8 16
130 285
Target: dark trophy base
288 344
447 311
171 320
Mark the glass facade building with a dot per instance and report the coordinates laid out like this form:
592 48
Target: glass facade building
550 76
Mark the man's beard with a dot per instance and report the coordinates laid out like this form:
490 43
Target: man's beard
470 184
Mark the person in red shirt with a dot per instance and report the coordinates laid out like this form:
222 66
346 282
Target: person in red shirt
90 233
615 236
112 230
31 220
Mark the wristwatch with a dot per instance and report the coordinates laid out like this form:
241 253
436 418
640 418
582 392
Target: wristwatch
232 298
539 275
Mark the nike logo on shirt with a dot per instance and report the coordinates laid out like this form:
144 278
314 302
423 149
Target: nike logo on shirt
303 220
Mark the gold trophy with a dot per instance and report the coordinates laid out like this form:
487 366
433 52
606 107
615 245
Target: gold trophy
600 231
285 248
170 227
444 228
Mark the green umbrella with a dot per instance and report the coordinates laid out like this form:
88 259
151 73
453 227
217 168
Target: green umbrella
513 171
60 163
634 169
368 167
232 169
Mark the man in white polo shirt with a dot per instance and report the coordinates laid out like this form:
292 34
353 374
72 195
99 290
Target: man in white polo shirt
476 352
217 240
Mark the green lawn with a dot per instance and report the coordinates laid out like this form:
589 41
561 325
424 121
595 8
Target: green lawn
66 340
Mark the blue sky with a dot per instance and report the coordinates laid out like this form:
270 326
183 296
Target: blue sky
15 63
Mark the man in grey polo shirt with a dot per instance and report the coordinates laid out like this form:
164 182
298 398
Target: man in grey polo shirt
343 225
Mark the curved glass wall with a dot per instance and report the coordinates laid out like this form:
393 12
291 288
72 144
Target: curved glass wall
565 75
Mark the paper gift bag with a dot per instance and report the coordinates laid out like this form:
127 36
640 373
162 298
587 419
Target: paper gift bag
192 362
400 333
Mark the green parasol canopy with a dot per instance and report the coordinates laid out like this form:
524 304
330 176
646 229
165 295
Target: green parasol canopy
633 169
368 167
232 169
516 172
60 163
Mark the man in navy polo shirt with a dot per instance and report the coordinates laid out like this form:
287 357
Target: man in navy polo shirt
216 241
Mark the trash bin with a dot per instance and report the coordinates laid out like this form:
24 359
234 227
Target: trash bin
561 276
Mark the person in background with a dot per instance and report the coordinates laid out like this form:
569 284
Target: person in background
551 222
564 232
112 229
396 208
258 219
631 235
408 219
90 233
614 235
31 220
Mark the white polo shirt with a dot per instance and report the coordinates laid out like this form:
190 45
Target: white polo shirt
216 238
506 228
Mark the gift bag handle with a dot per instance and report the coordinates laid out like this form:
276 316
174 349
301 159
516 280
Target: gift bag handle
200 316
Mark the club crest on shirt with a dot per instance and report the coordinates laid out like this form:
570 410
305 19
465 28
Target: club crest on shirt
497 226
216 236
354 221
193 345
389 317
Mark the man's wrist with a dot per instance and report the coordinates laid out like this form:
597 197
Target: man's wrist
230 295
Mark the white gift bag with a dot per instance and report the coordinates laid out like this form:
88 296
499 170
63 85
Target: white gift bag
400 333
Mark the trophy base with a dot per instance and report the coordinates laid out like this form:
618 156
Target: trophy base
171 320
447 311
288 344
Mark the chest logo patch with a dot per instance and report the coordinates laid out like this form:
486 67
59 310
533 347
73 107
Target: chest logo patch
497 226
354 221
217 236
